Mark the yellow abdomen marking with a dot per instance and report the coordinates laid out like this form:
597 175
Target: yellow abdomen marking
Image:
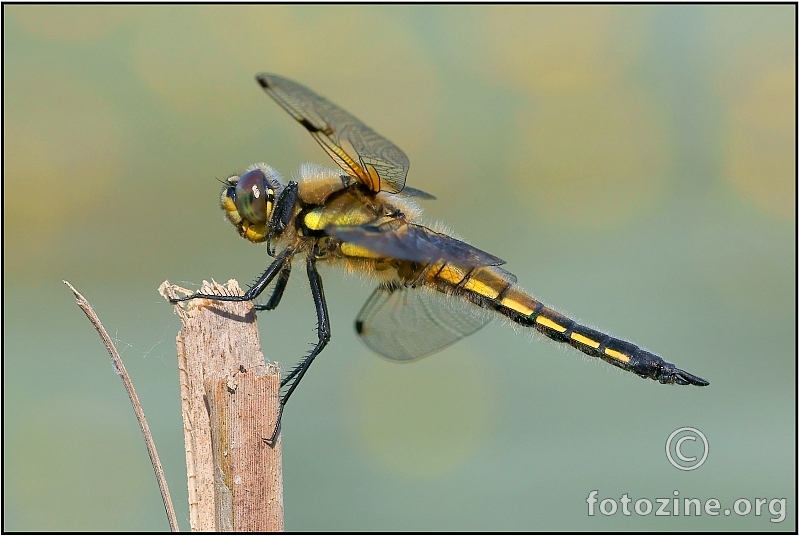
619 356
585 340
516 306
452 274
481 288
550 324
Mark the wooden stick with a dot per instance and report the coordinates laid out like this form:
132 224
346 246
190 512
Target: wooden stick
119 367
229 399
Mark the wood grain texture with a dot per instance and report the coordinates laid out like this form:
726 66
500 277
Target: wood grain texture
229 400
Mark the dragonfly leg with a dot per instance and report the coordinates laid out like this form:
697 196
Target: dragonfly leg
323 336
281 214
280 286
258 287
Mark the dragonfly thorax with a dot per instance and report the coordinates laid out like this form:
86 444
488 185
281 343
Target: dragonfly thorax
248 200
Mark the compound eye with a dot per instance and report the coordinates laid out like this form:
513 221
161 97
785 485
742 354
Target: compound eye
254 197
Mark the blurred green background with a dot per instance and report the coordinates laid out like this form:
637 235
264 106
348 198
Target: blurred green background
635 165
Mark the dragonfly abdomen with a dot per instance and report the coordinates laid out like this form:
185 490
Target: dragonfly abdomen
493 288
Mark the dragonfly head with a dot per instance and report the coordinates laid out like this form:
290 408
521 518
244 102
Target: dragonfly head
248 200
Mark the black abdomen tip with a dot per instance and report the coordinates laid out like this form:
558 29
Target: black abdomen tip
689 378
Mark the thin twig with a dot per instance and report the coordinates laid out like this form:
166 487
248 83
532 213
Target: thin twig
119 367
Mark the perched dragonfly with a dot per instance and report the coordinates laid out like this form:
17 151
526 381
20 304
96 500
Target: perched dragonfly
433 289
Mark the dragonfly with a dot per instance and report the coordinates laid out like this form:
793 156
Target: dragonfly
433 289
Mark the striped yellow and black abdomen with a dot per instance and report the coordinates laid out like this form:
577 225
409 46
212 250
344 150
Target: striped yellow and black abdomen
493 288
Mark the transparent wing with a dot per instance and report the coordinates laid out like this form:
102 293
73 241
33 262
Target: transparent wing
403 323
360 151
419 194
411 242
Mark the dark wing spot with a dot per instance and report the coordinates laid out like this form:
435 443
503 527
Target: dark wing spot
359 326
262 82
307 124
